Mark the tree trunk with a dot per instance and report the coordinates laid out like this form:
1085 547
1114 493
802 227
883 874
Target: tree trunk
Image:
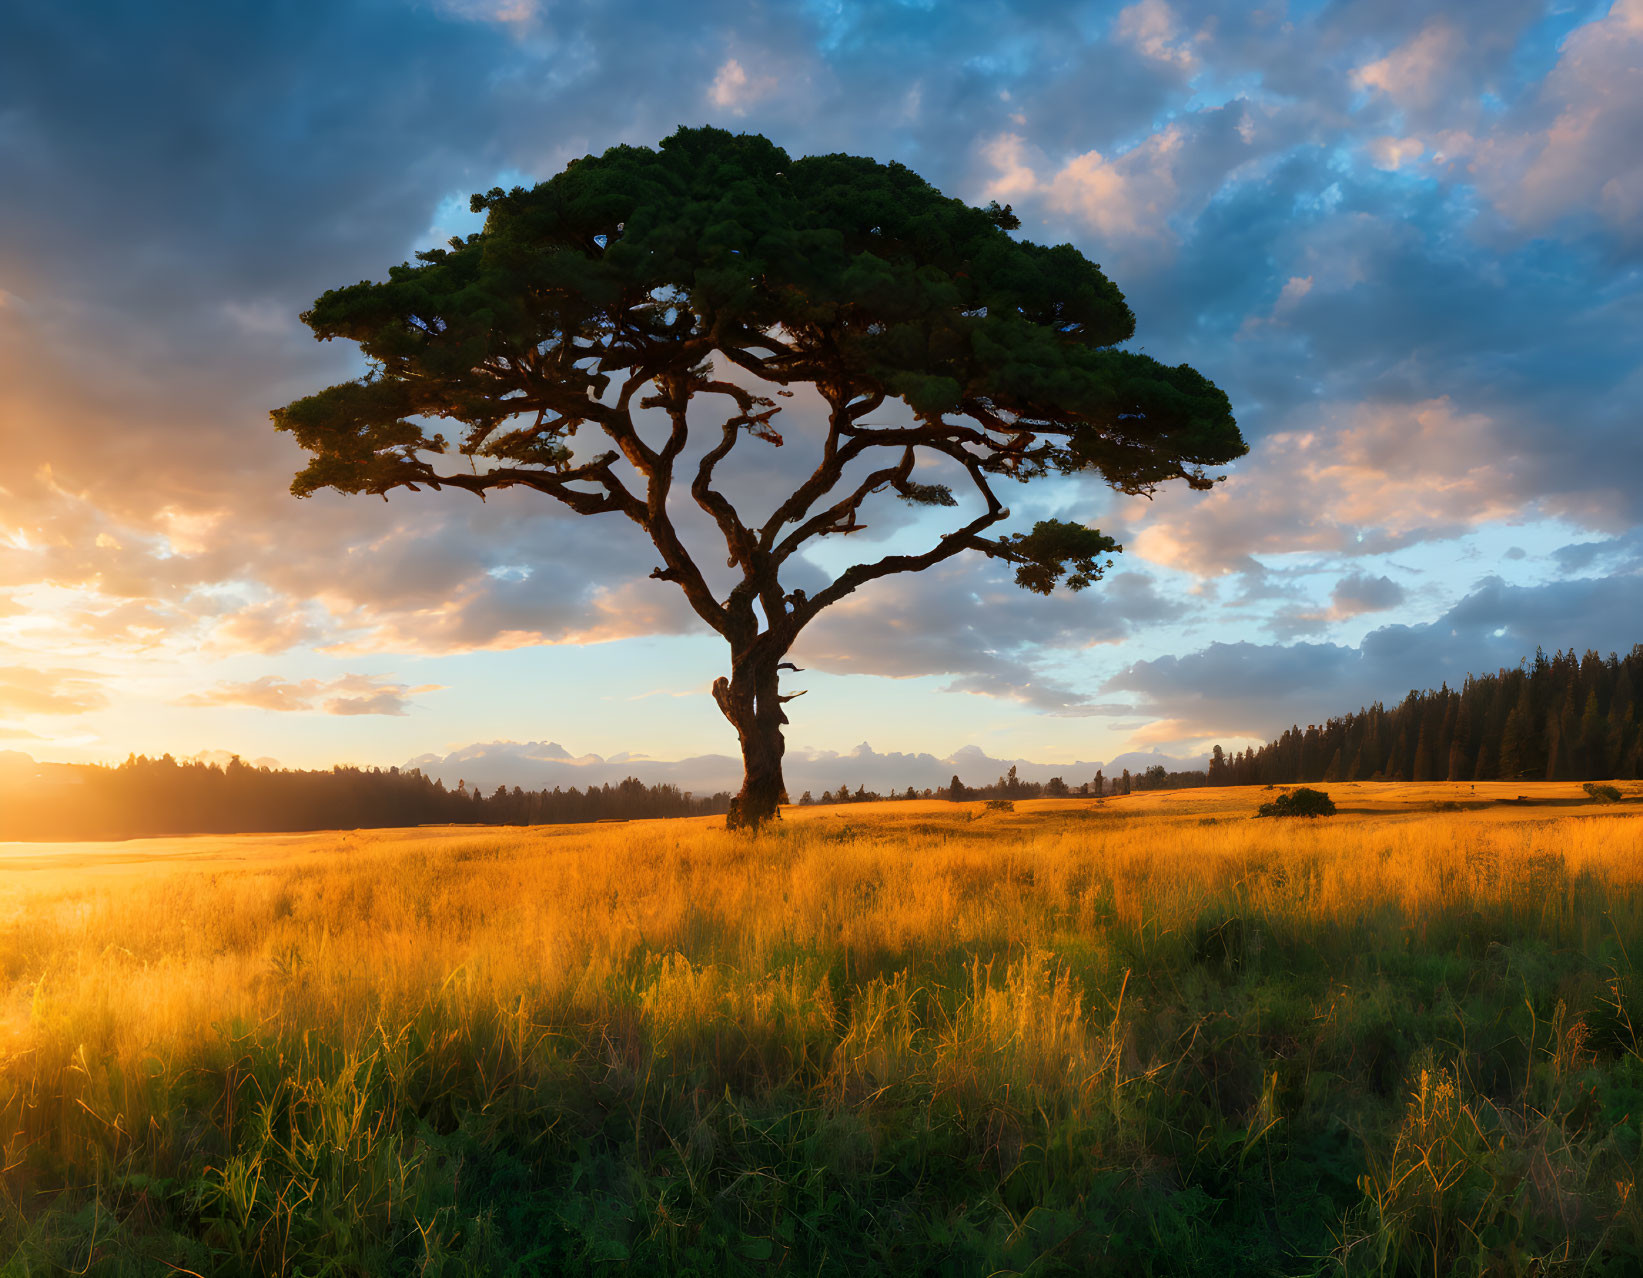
749 699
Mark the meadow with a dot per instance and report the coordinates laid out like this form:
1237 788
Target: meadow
1141 1035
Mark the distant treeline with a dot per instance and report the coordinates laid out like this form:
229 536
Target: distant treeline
1011 786
145 797
1562 718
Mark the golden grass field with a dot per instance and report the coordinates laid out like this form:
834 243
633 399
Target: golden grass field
1152 1012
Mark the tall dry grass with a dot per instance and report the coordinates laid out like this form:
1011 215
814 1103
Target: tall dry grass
284 1058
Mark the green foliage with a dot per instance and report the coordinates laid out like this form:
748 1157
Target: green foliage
926 494
1602 793
1300 802
648 261
1058 551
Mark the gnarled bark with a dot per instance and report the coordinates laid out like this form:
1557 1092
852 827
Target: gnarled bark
751 701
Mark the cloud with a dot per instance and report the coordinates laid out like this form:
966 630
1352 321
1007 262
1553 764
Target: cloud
505 12
1248 690
1360 593
1366 480
1416 74
1125 196
971 621
1132 204
1153 30
1567 150
734 90
350 695
1128 196
1391 231
1586 157
1353 596
1392 153
28 691
265 628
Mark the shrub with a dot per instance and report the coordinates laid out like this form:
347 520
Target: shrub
1000 805
1602 793
1303 802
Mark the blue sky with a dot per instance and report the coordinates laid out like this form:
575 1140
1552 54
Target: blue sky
1404 237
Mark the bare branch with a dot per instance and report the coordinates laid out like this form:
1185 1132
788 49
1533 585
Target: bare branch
828 471
738 540
832 520
965 538
680 567
557 484
860 574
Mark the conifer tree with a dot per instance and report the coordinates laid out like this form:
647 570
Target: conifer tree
663 302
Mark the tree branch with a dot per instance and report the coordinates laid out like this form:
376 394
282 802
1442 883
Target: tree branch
828 471
860 574
832 519
966 538
737 538
615 496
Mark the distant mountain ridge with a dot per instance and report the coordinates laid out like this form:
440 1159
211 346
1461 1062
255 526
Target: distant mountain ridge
546 764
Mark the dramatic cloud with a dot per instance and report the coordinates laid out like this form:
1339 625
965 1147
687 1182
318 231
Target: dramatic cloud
1401 236
1134 197
1244 690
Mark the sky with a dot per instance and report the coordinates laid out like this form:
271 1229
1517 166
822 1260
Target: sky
1404 236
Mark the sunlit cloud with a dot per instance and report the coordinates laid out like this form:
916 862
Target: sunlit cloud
1568 150
26 691
1398 235
735 89
1153 29
1128 196
1416 73
1367 480
350 695
266 628
1393 153
504 12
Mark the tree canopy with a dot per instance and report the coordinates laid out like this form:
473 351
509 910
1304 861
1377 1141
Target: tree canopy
636 284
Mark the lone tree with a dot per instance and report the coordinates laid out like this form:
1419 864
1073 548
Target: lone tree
644 294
